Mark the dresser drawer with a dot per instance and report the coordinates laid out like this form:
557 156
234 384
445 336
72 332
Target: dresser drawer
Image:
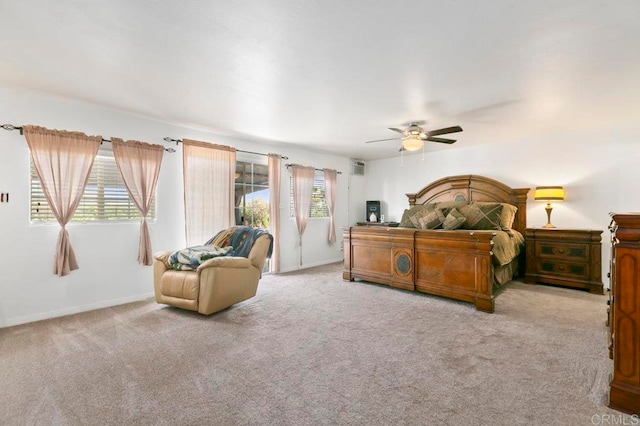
562 268
562 250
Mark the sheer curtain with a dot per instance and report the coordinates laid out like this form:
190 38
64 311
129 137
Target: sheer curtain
63 162
139 165
302 190
209 188
275 177
330 178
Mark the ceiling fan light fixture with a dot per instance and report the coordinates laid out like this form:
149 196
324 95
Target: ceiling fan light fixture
412 143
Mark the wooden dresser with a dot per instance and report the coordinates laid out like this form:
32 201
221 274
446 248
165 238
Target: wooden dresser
567 257
624 312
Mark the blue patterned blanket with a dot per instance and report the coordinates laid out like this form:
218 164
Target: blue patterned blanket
190 258
241 239
234 241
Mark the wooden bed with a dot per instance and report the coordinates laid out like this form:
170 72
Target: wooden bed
455 264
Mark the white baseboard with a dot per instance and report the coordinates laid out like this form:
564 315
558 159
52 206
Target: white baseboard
73 310
312 265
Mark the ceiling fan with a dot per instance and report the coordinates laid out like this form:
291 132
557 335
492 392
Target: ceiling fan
414 136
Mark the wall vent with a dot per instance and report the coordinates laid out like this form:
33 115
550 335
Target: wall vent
357 167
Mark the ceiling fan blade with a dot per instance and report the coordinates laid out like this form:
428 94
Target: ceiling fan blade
396 130
441 140
382 140
444 131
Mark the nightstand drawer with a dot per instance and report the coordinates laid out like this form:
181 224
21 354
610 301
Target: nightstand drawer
567 269
562 250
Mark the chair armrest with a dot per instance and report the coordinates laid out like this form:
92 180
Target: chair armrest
225 262
163 256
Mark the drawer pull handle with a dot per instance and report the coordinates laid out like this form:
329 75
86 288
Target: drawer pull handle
561 268
561 250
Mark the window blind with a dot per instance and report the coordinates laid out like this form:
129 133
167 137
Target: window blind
105 197
318 201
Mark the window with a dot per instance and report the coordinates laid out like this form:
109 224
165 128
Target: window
318 201
105 197
252 197
252 194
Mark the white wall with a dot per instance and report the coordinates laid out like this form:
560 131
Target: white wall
109 273
599 170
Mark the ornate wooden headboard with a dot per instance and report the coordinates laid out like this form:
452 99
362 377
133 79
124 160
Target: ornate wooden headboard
474 188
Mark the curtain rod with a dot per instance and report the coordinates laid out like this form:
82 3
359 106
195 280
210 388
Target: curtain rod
12 127
177 141
320 170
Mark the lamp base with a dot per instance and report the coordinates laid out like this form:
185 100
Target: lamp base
548 208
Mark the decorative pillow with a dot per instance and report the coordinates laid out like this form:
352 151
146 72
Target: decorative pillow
454 220
508 216
508 213
405 222
431 220
420 212
482 216
450 204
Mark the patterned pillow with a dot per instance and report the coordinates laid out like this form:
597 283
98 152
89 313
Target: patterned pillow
508 213
405 222
453 220
431 220
450 204
420 212
484 217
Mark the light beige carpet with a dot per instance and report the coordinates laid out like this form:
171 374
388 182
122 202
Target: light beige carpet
312 349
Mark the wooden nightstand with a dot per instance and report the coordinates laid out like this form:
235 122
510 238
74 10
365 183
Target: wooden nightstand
567 257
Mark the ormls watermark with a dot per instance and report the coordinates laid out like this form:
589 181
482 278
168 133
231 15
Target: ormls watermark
615 419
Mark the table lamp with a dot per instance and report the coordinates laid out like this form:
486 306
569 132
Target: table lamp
548 194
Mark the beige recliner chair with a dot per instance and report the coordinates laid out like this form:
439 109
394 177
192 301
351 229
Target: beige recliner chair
217 283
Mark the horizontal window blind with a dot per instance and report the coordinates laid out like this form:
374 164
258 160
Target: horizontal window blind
105 197
318 199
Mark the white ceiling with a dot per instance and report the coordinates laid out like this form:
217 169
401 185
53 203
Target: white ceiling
332 74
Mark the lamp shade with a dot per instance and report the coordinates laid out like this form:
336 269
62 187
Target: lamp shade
549 193
412 143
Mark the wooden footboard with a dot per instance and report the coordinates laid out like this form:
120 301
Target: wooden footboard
454 264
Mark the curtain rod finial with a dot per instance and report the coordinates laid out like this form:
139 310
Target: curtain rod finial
11 127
